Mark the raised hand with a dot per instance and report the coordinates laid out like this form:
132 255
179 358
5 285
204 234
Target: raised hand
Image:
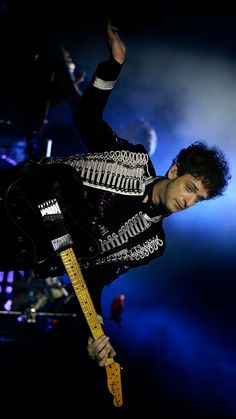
115 44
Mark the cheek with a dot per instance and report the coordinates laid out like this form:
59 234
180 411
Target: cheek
175 189
172 193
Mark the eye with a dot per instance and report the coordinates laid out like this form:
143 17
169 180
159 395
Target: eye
189 188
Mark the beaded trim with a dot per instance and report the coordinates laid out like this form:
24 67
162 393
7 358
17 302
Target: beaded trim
124 172
141 251
134 226
103 84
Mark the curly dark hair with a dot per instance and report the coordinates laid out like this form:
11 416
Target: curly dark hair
207 164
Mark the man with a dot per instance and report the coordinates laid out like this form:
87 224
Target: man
112 191
125 200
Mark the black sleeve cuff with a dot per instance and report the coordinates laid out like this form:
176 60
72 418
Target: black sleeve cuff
108 70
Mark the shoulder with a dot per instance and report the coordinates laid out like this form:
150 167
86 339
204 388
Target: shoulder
136 148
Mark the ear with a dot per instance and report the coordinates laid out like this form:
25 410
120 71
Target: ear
173 172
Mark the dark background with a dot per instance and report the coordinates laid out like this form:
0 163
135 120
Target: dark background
176 340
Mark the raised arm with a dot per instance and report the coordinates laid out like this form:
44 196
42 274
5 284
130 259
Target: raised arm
88 118
115 44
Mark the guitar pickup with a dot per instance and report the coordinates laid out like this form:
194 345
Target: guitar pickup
62 242
51 212
53 217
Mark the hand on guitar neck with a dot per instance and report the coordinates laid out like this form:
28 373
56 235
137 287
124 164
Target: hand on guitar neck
100 350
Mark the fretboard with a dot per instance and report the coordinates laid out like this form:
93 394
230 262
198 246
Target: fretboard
81 290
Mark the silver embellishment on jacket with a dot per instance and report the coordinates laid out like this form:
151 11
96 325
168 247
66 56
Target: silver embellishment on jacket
138 252
132 227
122 171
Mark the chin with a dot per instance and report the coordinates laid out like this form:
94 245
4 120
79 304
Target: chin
166 209
172 209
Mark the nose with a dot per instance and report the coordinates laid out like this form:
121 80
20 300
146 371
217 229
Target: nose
190 201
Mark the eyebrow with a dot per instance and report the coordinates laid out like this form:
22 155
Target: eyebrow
199 197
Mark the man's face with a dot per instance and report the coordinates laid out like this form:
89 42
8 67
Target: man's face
182 192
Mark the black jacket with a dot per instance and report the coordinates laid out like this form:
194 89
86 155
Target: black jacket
116 175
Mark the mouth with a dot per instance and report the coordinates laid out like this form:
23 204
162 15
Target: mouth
178 206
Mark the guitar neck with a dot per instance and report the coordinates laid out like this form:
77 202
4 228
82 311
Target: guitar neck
81 290
77 280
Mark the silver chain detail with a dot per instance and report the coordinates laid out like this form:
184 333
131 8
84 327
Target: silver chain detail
123 172
138 252
134 226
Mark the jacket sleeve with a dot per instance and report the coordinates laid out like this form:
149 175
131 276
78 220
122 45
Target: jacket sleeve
97 135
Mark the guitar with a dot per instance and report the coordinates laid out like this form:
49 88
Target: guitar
63 245
43 221
59 181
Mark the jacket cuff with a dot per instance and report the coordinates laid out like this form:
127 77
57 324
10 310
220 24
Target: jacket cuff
108 70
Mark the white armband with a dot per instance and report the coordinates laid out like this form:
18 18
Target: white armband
103 84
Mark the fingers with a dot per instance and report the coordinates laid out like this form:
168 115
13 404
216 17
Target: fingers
111 28
90 348
100 350
112 352
112 32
